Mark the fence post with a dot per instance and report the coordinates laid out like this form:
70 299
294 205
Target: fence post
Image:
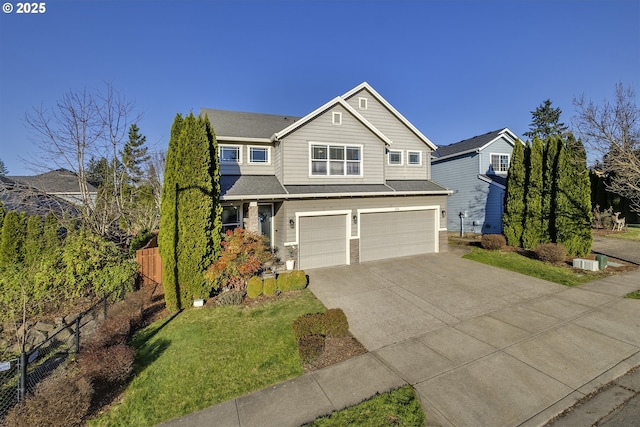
22 383
78 334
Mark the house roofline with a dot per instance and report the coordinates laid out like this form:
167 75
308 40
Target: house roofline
478 149
337 195
490 181
243 139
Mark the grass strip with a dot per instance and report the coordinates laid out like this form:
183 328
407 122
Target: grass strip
399 407
634 295
202 357
521 264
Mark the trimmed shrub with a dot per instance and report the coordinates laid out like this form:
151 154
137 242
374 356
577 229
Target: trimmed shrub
335 323
298 280
254 287
231 298
309 324
284 282
111 365
114 330
493 242
551 252
310 347
61 400
269 287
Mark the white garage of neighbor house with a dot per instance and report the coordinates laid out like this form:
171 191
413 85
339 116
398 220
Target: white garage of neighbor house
347 183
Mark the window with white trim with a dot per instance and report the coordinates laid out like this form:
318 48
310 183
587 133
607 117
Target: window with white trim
414 158
229 154
395 157
231 218
259 155
500 163
336 160
363 103
336 118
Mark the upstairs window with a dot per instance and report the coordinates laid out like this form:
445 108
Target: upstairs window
395 157
259 155
229 154
414 158
336 160
500 163
336 118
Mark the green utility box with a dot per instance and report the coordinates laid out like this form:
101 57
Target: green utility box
602 261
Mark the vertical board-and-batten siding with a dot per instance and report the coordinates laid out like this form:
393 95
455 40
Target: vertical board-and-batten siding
402 137
296 152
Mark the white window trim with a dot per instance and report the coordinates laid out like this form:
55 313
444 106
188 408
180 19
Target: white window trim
419 153
328 175
500 154
336 118
347 218
268 162
389 157
363 103
228 162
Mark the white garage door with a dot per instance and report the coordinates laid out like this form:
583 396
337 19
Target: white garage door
395 234
323 241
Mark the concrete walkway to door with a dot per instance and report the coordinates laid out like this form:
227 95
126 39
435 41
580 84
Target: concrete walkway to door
485 346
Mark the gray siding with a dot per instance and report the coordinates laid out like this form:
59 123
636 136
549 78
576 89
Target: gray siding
401 136
500 146
295 150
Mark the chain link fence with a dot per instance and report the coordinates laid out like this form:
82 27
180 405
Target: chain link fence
20 376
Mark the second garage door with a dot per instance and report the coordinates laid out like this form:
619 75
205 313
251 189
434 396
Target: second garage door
398 233
323 241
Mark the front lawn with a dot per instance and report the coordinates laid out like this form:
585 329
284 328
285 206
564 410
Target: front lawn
396 408
630 233
521 264
202 357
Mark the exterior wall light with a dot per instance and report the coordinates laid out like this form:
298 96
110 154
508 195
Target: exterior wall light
443 213
292 223
355 219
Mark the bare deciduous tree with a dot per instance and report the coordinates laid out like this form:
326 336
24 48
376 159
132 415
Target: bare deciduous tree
612 130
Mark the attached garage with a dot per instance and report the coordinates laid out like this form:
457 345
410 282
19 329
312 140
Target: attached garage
397 233
323 241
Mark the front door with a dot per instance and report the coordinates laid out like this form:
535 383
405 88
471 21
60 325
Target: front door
265 221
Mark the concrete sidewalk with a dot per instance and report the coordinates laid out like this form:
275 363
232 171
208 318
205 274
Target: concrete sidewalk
482 346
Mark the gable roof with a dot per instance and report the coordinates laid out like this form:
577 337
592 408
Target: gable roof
23 198
237 124
396 113
55 181
474 144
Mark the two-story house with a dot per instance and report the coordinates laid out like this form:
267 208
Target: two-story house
347 183
476 170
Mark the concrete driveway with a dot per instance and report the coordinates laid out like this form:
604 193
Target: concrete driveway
484 346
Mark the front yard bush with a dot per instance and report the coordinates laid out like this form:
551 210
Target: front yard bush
109 366
309 324
310 347
269 287
551 252
298 280
493 242
284 282
254 287
231 297
335 323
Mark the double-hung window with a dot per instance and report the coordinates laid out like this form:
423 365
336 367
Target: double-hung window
336 160
414 158
229 154
259 155
500 163
395 157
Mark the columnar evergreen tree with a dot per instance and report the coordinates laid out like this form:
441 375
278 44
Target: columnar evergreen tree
51 234
190 215
549 191
12 239
512 219
2 213
33 241
532 233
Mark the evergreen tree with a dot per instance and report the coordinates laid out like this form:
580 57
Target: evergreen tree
33 241
2 213
573 213
545 122
532 233
12 239
3 168
134 155
50 234
549 189
514 198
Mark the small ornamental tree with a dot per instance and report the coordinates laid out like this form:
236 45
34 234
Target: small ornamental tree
12 239
512 218
532 232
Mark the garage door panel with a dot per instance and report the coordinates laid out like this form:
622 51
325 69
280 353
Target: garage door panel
394 234
323 241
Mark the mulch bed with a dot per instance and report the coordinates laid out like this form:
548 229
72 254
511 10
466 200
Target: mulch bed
336 350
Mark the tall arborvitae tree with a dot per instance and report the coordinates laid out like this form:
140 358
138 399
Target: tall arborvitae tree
549 189
2 213
545 122
532 233
513 217
12 239
33 241
51 234
573 212
168 236
190 217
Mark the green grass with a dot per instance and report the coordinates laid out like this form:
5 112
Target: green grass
534 268
396 408
630 233
634 295
203 357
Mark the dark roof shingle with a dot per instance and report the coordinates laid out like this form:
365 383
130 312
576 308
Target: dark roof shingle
246 125
468 144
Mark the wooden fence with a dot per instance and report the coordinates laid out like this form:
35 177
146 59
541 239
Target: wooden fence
149 266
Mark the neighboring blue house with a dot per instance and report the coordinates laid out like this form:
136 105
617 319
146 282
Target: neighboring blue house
476 170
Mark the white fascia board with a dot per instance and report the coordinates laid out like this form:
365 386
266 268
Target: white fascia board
243 139
403 119
318 111
511 138
333 195
461 153
490 181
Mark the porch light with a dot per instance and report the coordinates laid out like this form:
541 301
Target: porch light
355 219
443 213
292 223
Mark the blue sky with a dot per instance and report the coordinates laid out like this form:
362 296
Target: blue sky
455 69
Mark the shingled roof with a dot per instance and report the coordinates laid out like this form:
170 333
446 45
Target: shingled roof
246 125
54 182
23 198
467 145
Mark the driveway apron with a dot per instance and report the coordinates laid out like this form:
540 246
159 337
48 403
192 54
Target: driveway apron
484 346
